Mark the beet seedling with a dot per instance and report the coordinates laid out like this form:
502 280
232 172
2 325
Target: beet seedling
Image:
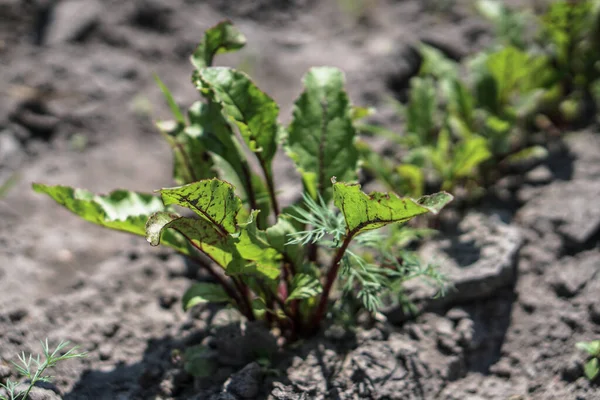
274 264
592 366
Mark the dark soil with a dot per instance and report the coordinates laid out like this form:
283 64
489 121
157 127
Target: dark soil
77 101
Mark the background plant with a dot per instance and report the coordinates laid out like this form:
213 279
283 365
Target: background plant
34 369
465 121
592 366
273 264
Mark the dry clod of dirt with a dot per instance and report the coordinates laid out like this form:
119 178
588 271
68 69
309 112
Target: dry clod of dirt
71 20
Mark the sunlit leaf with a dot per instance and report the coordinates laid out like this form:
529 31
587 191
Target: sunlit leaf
321 135
121 210
253 245
222 38
202 234
246 106
364 212
212 199
469 154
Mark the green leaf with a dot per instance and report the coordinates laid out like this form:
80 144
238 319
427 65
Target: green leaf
304 286
208 125
277 236
202 234
204 292
359 113
222 38
177 114
199 361
460 101
509 25
486 92
508 67
412 179
121 210
468 155
246 106
191 161
527 155
564 24
591 369
421 112
321 135
364 212
436 64
212 199
592 348
253 245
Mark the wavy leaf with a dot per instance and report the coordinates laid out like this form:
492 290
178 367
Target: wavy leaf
202 234
321 136
212 199
245 105
364 212
121 210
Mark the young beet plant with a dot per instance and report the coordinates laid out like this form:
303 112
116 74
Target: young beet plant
277 265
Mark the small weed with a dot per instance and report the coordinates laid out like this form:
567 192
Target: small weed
34 369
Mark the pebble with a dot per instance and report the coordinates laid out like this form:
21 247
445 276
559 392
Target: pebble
71 19
246 382
539 175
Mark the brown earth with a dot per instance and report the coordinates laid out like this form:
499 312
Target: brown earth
77 100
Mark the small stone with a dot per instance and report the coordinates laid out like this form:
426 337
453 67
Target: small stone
444 327
283 392
539 175
65 256
72 19
465 332
415 332
10 149
502 368
335 332
369 335
447 345
456 314
246 382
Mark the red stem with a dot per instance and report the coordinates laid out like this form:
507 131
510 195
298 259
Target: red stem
331 277
243 289
270 186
